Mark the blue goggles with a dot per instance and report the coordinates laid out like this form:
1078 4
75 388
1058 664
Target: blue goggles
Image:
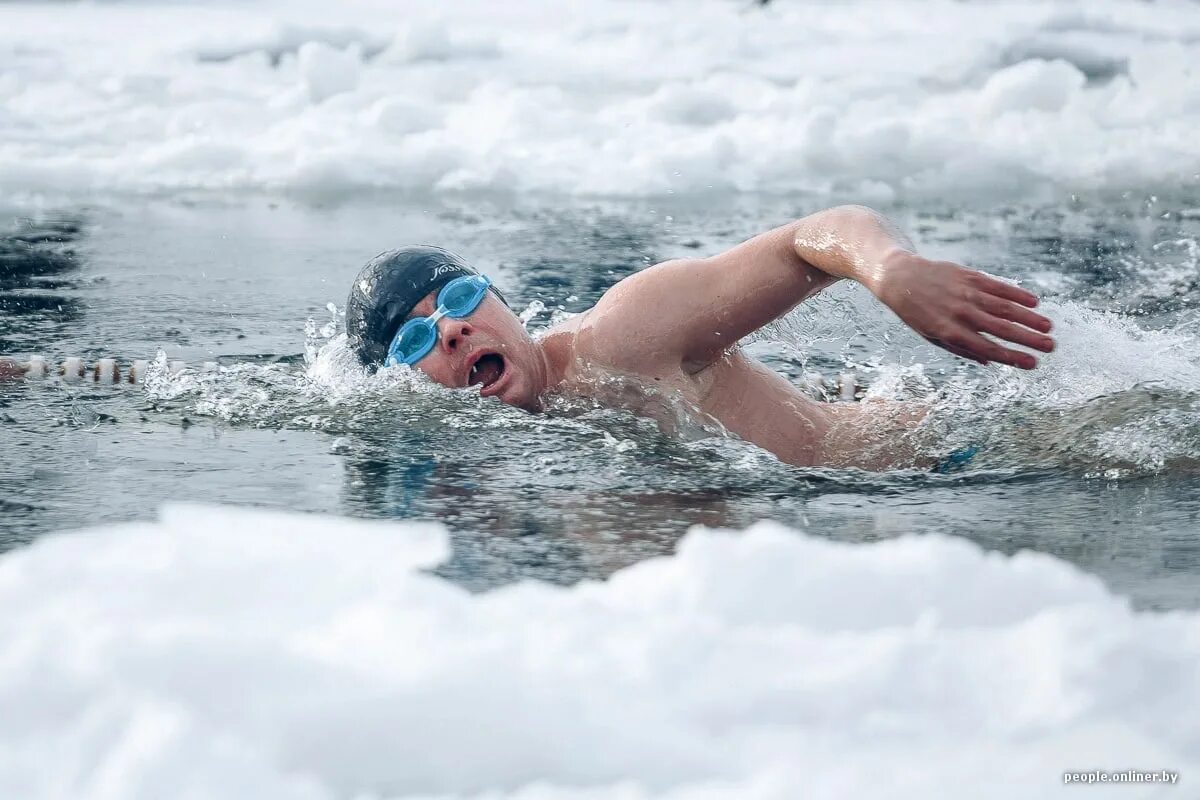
458 299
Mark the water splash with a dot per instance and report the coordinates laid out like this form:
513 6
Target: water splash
531 311
1115 399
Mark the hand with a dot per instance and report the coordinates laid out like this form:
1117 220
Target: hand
952 306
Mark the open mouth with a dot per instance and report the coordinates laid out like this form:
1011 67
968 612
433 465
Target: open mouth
486 370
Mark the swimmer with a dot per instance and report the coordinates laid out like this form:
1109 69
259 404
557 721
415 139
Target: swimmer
673 330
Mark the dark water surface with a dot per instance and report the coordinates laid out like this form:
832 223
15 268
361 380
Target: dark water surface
1092 459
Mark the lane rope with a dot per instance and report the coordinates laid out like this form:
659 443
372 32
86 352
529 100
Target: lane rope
75 370
844 388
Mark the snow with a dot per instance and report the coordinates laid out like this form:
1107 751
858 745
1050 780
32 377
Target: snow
909 100
221 652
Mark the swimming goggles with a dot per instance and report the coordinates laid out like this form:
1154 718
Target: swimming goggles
458 299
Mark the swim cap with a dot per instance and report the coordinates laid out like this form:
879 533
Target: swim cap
389 287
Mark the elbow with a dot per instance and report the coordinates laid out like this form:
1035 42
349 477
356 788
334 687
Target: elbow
842 215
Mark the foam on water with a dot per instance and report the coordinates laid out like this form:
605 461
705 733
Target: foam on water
223 652
998 100
1103 401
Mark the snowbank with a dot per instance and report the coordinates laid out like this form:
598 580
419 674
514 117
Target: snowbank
231 653
912 99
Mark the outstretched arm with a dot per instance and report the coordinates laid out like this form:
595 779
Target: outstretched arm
947 304
698 308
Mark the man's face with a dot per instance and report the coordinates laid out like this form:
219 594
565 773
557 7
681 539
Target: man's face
490 347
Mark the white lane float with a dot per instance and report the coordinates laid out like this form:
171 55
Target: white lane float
108 371
74 369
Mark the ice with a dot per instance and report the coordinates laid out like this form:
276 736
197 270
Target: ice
856 100
1032 85
220 652
326 71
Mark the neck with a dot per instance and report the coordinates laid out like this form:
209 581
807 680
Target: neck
554 351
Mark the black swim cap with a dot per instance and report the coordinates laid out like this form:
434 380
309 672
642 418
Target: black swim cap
389 287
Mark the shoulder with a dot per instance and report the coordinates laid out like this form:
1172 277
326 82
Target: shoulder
643 299
660 277
632 326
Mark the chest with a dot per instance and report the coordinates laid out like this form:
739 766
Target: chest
736 394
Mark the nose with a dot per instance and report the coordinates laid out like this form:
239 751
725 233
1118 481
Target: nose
454 331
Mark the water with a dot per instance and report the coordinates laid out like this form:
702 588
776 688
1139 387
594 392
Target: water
203 179
1093 458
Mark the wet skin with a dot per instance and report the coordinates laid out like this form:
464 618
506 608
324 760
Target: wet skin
673 329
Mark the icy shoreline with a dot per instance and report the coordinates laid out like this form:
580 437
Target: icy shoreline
1008 100
227 652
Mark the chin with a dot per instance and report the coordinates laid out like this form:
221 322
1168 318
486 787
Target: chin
518 392
533 406
519 396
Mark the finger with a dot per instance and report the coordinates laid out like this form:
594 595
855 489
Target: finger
958 351
982 347
1006 290
964 354
1009 332
1004 309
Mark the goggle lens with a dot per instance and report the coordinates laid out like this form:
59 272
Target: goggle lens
414 339
458 299
462 296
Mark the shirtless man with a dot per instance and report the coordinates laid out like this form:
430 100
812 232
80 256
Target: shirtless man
673 329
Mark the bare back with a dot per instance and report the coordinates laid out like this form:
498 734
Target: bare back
741 394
